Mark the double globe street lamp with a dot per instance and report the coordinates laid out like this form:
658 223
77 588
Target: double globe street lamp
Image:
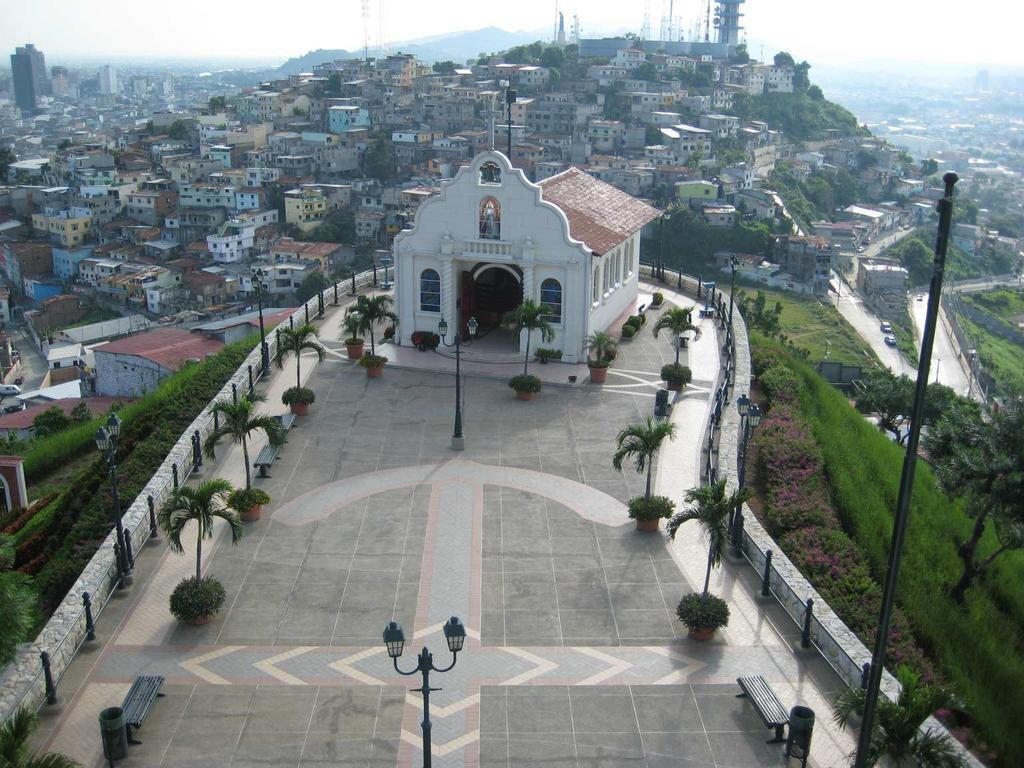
458 441
264 349
394 641
106 442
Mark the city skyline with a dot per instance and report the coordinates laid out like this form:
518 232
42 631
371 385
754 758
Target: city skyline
913 31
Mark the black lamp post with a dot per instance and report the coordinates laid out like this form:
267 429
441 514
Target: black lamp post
106 442
733 263
264 349
394 641
750 417
510 99
458 441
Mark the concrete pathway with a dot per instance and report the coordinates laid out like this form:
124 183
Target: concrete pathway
574 656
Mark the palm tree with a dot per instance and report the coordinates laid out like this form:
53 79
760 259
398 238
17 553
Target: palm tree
201 503
374 310
14 749
354 323
677 321
530 316
711 508
896 732
602 344
641 442
238 421
293 341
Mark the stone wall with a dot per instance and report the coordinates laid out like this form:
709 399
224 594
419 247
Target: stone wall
22 682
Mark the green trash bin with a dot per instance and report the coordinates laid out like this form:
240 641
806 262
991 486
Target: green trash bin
801 727
114 733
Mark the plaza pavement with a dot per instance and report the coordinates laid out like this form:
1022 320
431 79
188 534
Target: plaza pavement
574 657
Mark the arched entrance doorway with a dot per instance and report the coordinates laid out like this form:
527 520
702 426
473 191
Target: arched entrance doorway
489 291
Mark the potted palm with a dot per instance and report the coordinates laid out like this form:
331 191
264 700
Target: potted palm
196 600
354 325
640 442
530 316
703 613
248 503
525 386
374 310
238 421
604 348
677 321
896 732
374 364
292 342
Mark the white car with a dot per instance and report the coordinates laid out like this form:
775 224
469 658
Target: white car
886 327
890 340
9 390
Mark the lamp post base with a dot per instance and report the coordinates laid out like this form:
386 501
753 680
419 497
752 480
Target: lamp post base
458 443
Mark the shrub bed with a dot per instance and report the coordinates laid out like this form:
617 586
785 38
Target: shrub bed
976 648
61 538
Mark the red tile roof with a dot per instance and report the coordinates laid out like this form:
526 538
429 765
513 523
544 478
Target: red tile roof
167 347
23 419
599 214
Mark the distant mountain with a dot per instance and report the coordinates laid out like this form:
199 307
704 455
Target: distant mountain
455 46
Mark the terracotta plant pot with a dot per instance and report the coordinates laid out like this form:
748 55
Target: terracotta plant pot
598 375
702 633
199 621
674 386
252 514
647 526
299 409
355 351
524 395
374 371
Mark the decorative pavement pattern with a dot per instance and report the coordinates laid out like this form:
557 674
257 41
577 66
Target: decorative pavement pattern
573 658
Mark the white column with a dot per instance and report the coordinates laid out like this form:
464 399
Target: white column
528 287
449 294
575 308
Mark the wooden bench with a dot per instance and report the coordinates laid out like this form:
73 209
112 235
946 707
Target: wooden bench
766 704
139 701
265 458
286 419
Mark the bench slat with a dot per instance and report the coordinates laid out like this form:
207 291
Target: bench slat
765 702
140 697
266 455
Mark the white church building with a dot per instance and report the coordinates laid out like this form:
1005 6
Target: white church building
492 238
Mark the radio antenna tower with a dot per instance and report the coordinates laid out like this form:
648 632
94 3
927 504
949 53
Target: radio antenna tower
645 29
577 29
707 24
366 28
382 42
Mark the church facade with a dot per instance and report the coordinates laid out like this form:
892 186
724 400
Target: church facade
493 238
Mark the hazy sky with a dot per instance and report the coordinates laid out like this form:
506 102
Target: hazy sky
823 31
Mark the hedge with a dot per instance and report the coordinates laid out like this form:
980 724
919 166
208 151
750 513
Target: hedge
979 648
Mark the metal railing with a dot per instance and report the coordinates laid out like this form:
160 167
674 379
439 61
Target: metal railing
67 631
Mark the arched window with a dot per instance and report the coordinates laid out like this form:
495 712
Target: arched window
490 219
551 297
430 291
490 173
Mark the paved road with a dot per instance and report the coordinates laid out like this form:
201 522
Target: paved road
946 366
867 325
32 362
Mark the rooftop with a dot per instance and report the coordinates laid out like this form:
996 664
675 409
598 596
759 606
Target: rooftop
600 215
167 347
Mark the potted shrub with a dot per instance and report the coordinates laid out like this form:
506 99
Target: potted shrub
196 600
354 325
640 442
525 385
604 348
676 376
702 614
628 330
298 399
425 340
657 299
648 512
544 355
374 364
248 503
711 507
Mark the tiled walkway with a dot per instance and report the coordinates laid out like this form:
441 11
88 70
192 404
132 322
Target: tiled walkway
574 658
